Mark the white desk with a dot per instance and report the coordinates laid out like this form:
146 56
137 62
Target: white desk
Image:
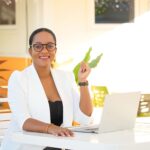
122 140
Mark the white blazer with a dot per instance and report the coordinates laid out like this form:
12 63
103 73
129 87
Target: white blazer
27 99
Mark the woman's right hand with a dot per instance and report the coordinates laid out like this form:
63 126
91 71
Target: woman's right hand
59 131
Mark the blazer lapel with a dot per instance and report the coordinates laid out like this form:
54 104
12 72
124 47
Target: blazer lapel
38 102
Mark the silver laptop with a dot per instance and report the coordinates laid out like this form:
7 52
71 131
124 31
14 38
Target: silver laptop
119 113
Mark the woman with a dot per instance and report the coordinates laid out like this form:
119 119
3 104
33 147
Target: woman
44 99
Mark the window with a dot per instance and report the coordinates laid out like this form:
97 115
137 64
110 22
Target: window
114 11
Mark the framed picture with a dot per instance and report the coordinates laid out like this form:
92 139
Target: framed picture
7 13
114 11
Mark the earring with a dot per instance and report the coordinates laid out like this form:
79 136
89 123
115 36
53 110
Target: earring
53 63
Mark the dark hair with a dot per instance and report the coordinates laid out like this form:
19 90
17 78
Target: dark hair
38 31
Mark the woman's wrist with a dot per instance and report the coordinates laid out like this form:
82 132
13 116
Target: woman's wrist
83 83
46 130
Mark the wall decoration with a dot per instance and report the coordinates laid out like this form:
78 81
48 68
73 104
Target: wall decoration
7 12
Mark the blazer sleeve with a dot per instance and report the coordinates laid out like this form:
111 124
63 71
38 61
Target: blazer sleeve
17 98
79 116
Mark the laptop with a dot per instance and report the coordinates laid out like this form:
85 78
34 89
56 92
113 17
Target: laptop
119 113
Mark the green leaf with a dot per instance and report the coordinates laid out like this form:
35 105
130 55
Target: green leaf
86 59
77 67
75 71
87 55
95 61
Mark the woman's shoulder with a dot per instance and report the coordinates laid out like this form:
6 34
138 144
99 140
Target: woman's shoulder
19 73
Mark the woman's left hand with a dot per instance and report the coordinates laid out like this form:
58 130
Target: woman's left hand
84 72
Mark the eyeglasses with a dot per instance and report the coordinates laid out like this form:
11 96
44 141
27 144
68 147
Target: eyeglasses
39 47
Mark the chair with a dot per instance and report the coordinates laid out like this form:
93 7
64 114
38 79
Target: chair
98 95
144 106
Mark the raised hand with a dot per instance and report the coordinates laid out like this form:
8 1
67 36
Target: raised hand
84 72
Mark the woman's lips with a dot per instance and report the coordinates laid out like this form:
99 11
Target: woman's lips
44 57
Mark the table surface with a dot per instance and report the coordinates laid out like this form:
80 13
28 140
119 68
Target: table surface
120 140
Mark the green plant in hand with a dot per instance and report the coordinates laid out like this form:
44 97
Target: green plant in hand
93 63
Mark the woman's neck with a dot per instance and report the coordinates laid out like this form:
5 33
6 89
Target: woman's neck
43 72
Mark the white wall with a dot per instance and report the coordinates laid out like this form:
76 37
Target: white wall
69 23
35 15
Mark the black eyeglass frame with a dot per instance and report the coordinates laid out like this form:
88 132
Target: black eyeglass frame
46 45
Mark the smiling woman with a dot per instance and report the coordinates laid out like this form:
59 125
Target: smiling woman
42 47
42 88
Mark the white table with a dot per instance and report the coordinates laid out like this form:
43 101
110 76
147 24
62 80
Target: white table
121 140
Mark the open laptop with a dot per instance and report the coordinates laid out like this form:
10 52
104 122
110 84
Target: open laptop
119 113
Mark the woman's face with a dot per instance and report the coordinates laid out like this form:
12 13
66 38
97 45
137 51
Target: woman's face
43 55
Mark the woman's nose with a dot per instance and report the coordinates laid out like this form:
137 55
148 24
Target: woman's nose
44 49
